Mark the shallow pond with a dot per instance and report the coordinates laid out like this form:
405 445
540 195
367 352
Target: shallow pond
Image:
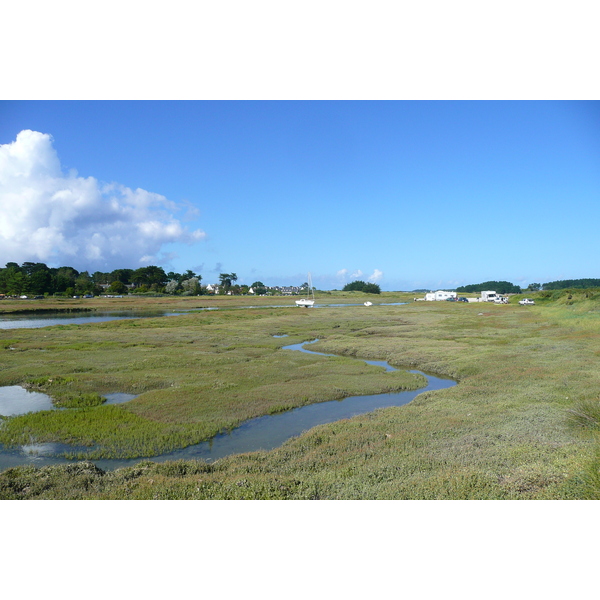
29 321
119 398
15 400
262 433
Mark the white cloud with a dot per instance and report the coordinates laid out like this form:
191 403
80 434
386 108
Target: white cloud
51 217
344 274
376 276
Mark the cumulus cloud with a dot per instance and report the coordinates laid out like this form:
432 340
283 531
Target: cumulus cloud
344 274
51 217
376 276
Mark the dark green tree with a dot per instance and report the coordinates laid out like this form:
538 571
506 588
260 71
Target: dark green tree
259 288
40 282
117 287
98 277
63 279
13 282
226 280
122 275
150 276
29 268
177 277
372 288
84 283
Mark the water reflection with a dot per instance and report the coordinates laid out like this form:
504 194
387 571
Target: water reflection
28 321
119 398
15 400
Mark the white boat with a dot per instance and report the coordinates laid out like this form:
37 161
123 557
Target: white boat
367 303
308 302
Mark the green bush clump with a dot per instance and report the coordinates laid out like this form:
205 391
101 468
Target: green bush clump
79 401
585 414
362 286
46 382
590 477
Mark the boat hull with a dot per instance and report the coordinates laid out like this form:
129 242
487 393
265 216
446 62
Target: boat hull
305 303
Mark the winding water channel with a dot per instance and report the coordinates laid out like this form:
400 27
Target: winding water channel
261 433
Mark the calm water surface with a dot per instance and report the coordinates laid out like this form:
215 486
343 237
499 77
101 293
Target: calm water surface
29 321
119 398
15 400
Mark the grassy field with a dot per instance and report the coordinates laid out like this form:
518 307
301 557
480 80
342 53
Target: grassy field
522 423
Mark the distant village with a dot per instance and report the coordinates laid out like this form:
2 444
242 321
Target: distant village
37 280
213 289
275 290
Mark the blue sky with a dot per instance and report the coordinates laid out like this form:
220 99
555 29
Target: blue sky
409 194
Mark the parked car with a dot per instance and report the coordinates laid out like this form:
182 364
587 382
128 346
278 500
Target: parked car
526 301
462 300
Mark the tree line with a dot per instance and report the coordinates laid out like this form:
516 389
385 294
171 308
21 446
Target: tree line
37 279
501 287
579 284
504 287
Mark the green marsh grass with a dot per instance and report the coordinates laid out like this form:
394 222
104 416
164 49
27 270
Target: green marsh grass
504 432
197 375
